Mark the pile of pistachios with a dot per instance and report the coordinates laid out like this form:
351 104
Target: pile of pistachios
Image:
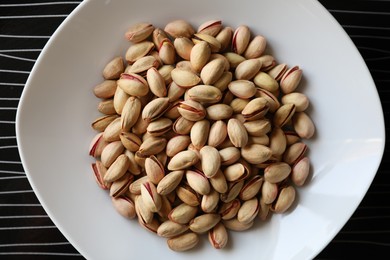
201 131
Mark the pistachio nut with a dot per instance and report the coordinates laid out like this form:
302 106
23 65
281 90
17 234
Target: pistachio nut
179 28
97 145
124 206
117 169
130 113
99 171
251 188
159 126
183 160
105 89
218 182
135 186
184 78
219 112
120 98
291 80
265 81
269 192
106 107
217 133
259 127
263 139
211 160
238 104
229 155
167 52
242 88
247 69
183 213
169 182
192 110
174 93
121 186
256 153
182 126
156 82
278 141
183 242
177 144
204 223
154 169
210 201
138 50
214 44
212 71
268 62
110 152
283 115
264 210
188 195
165 71
183 47
277 172
278 71
291 137
141 65
158 36
155 108
113 130
198 181
101 123
294 153
139 32
303 125
171 229
204 94
235 225
133 84
232 192
300 171
234 59
237 133
200 55
212 27
199 133
133 166
284 200
151 199
273 102
152 145
114 68
241 38
256 47
248 211
225 37
236 172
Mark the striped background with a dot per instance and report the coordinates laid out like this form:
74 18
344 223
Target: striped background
26 231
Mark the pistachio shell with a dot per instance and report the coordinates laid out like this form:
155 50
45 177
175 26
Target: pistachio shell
114 68
198 182
217 133
183 160
184 78
242 88
105 89
212 71
218 236
199 56
225 37
237 133
255 47
247 69
138 50
241 38
212 27
256 153
211 160
139 32
169 182
133 84
219 112
183 47
291 79
179 28
199 133
156 82
183 242
303 125
204 94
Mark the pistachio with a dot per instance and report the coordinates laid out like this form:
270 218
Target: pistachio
277 172
263 210
184 78
198 181
237 133
300 171
234 59
117 169
218 182
265 81
113 69
143 64
154 169
278 142
192 110
204 94
99 171
278 71
130 113
284 200
255 47
238 104
169 182
188 195
230 209
214 44
121 186
183 213
248 211
210 201
101 123
106 89
199 56
225 37
283 115
155 108
217 133
177 144
268 62
133 84
113 130
182 126
179 28
120 98
234 189
241 38
212 27
263 139
151 199
236 172
133 166
158 36
97 145
183 47
273 102
242 88
183 242
138 50
247 69
106 107
135 186
219 112
156 82
199 133
183 160
290 80
229 155
211 160
212 71
251 188
124 206
303 125
204 223
174 94
159 126
235 225
291 137
256 153
165 71
258 127
152 145
294 153
139 32
269 192
171 229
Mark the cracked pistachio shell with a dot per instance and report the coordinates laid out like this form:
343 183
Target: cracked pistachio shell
198 182
247 69
256 153
294 153
183 160
251 188
159 126
158 36
212 71
105 89
237 133
234 189
229 155
277 172
290 80
143 64
284 200
155 108
217 133
283 115
184 78
182 126
229 210
242 88
99 171
204 94
130 113
154 169
101 123
97 145
152 145
200 55
113 130
192 110
212 27
133 84
169 182
183 242
278 71
303 125
268 62
183 47
138 50
156 82
273 102
139 32
241 38
214 44
248 211
188 195
121 186
151 199
300 171
255 47
114 68
130 141
211 160
179 28
236 172
225 37
218 236
117 169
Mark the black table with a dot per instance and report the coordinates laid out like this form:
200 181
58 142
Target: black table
26 232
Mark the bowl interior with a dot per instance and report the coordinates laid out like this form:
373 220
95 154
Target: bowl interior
58 106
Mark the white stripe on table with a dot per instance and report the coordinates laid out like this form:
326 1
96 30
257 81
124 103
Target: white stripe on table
358 12
21 205
27 227
34 16
365 27
35 4
15 192
16 71
24 216
12 172
361 242
24 36
12 84
35 244
7 122
7 146
20 50
16 57
7 108
12 177
39 253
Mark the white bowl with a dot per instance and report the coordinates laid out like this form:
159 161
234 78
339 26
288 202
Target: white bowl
58 106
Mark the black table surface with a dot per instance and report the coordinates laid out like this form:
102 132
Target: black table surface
26 232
